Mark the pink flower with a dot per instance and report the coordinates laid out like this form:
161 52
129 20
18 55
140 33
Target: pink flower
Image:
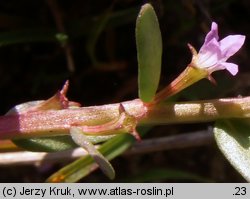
214 53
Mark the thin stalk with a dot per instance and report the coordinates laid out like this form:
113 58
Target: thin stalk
188 77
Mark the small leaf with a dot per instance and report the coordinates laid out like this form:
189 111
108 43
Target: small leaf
233 139
55 143
79 138
149 52
85 165
46 144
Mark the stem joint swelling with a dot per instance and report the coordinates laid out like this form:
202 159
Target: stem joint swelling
124 123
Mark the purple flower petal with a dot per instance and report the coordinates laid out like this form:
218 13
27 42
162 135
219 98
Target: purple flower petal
214 54
213 33
231 67
209 53
231 44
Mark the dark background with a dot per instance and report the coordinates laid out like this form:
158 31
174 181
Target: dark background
33 66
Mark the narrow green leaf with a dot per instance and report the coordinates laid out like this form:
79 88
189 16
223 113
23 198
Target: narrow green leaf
149 52
79 138
55 143
46 144
85 165
233 139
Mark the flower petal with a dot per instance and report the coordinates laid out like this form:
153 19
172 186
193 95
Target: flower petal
231 67
213 33
214 54
209 54
230 45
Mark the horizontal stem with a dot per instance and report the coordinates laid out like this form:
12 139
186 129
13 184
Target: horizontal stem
58 122
198 111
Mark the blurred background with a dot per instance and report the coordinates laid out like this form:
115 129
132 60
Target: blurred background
92 43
